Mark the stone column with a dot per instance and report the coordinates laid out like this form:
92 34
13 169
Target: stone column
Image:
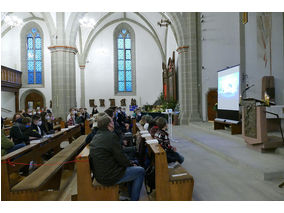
82 71
187 64
63 79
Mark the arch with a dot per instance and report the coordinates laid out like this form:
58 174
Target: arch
87 49
28 92
25 30
116 32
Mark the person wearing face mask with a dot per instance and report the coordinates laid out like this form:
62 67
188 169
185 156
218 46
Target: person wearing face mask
47 125
36 125
108 162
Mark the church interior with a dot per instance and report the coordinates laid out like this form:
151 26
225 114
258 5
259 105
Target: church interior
217 78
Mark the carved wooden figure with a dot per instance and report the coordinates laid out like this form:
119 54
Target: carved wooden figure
102 102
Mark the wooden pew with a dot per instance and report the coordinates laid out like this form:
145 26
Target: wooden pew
14 161
89 189
48 175
174 184
88 126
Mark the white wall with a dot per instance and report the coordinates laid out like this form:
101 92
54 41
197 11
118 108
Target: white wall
255 67
220 48
11 57
99 77
7 102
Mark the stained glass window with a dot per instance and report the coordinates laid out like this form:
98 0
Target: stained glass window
34 57
124 68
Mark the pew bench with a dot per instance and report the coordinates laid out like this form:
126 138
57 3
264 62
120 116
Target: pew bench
171 184
48 175
14 162
88 189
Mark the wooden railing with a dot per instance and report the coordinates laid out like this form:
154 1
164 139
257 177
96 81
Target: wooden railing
11 77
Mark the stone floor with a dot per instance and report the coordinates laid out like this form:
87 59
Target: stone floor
224 168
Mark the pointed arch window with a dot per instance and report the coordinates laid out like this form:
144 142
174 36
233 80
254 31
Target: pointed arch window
34 56
124 60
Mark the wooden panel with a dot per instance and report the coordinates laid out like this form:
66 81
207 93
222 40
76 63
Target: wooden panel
42 174
211 101
85 188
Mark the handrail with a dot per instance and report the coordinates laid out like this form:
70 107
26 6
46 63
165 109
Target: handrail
6 110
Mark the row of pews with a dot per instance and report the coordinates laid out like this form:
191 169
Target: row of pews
175 184
171 184
45 179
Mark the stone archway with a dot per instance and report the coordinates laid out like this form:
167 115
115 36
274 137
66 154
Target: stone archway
32 95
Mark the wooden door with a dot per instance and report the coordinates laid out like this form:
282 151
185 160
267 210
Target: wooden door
211 101
33 100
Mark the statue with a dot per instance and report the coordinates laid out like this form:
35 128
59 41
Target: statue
122 102
102 102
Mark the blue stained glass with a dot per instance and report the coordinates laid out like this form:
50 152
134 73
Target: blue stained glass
33 30
38 66
120 36
31 77
127 36
120 75
37 35
31 66
38 55
128 86
38 78
30 43
128 65
128 54
120 55
29 35
30 54
120 43
123 31
127 43
128 76
120 86
38 43
120 65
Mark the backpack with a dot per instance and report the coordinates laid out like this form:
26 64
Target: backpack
150 179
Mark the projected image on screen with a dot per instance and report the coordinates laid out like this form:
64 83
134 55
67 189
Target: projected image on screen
228 89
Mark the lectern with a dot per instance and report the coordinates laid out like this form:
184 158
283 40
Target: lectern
254 126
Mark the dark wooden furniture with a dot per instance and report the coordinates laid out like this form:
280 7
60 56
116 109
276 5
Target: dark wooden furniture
169 79
11 81
89 189
14 161
236 128
48 175
174 184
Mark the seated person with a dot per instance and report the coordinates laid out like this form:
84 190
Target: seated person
71 117
162 136
28 132
109 164
47 125
94 128
16 132
7 145
36 125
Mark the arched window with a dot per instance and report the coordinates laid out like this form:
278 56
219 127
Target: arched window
34 57
124 57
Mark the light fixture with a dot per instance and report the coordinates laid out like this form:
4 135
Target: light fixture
13 21
87 22
164 23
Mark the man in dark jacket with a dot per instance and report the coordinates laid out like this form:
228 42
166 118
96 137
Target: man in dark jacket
110 166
